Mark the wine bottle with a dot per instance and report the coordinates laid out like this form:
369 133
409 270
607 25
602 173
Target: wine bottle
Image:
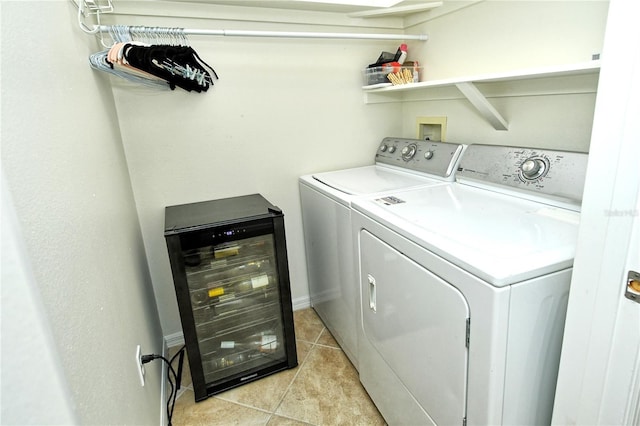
231 304
228 361
222 252
251 283
252 267
265 342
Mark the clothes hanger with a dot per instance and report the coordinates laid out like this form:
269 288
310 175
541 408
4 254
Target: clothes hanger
165 58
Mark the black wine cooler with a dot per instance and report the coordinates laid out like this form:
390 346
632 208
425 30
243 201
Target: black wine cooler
229 263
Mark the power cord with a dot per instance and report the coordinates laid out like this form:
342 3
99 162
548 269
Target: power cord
171 401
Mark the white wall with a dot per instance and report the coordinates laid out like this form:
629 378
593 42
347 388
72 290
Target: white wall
496 36
547 121
500 35
64 165
288 107
25 326
282 108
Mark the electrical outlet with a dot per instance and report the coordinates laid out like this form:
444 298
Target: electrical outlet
139 364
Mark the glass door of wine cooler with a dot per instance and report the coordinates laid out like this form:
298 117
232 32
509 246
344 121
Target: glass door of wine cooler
234 293
230 271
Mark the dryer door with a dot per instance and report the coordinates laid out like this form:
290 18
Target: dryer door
417 324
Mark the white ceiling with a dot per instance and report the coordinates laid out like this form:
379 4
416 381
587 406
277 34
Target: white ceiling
340 6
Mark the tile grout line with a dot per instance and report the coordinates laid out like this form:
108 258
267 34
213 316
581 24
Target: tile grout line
271 413
304 361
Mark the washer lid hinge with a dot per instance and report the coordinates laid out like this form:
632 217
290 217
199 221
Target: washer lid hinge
468 332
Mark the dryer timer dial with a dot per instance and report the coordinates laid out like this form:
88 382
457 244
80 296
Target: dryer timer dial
533 168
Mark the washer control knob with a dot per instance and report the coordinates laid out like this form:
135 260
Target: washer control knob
392 149
428 155
533 168
383 147
409 151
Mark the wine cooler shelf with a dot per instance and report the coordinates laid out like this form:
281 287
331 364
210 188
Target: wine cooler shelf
229 264
262 344
235 281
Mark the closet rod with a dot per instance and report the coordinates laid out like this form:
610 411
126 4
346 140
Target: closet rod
293 34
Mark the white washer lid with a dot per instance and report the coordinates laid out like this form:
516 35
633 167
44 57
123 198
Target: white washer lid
371 180
499 238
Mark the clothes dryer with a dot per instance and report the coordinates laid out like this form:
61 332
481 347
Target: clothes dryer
400 163
464 289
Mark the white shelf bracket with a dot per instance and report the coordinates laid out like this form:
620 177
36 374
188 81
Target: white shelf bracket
477 99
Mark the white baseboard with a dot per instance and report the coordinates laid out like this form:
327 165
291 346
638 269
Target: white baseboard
177 339
301 303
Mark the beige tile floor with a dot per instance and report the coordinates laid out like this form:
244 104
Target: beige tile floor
322 390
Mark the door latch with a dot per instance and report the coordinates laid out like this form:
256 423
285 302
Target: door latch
633 286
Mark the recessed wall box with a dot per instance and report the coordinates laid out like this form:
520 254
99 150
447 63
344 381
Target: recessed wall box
431 128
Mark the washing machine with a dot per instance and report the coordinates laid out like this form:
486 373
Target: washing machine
326 215
464 289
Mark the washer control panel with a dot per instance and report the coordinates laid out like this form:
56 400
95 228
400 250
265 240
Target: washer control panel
434 158
543 171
